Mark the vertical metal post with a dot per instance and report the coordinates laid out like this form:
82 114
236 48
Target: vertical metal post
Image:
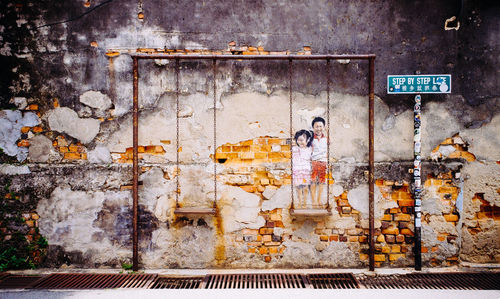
371 174
135 191
417 182
290 71
177 167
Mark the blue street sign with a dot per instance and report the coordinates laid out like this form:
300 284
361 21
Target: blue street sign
399 84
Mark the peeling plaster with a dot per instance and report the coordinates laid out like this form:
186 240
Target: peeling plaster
11 123
67 121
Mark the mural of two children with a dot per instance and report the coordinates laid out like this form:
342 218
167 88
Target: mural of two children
309 162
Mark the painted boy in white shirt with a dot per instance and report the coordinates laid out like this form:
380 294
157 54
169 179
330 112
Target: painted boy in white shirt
318 160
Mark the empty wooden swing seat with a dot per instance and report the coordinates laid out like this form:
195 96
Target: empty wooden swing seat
310 212
194 211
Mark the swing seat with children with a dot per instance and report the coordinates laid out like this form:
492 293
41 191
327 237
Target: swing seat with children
309 170
310 162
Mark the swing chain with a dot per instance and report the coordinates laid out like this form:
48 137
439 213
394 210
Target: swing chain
177 188
328 133
177 133
215 132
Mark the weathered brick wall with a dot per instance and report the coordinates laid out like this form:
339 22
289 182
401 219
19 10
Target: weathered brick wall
66 133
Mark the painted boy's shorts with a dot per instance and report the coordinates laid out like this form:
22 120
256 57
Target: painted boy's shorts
318 172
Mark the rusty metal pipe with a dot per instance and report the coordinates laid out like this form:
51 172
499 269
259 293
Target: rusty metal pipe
135 191
371 177
290 94
252 57
177 168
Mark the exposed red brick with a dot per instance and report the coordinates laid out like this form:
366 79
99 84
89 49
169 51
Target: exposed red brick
396 256
23 143
266 238
395 248
451 217
353 238
386 249
406 203
380 238
260 155
386 217
334 238
402 217
390 231
37 130
32 107
406 231
273 250
266 231
390 239
72 156
249 188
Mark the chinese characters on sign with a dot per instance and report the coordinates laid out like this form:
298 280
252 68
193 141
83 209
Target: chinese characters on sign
398 84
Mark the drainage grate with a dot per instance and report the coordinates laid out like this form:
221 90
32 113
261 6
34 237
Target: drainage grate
178 282
18 281
96 281
256 281
333 281
457 281
381 282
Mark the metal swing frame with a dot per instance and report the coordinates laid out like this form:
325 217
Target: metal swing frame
214 58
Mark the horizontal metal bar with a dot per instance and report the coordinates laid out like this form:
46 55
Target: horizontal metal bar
252 57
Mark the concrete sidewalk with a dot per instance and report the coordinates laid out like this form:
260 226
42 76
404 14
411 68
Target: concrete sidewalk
467 267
